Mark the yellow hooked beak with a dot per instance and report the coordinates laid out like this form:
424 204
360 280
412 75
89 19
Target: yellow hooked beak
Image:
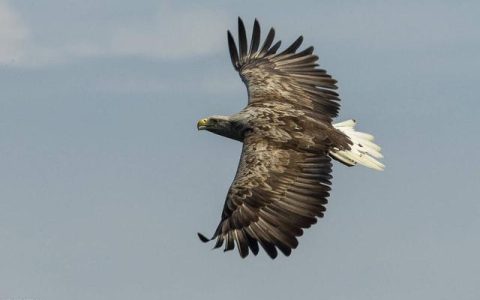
202 124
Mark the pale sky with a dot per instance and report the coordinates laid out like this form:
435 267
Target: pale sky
104 179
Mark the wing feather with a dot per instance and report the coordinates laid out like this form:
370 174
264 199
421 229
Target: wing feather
242 38
233 51
274 48
293 47
289 76
268 42
255 38
274 196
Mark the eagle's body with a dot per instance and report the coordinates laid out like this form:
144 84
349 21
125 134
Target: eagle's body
282 181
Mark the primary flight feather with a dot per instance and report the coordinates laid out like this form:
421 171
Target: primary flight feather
283 178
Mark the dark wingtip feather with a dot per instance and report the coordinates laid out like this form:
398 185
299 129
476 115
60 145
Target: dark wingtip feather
274 48
233 50
268 41
203 238
294 46
242 40
229 242
285 249
309 50
219 243
252 244
255 37
270 249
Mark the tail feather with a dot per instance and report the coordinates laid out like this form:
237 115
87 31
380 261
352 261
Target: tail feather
363 151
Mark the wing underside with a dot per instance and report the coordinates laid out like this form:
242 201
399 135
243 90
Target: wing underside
289 76
275 195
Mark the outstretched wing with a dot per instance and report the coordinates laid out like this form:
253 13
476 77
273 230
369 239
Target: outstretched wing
289 76
275 194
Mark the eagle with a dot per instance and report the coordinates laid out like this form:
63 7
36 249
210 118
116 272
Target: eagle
284 175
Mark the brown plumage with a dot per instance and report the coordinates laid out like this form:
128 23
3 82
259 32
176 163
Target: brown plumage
283 178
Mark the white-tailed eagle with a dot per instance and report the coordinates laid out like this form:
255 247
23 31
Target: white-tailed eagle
283 178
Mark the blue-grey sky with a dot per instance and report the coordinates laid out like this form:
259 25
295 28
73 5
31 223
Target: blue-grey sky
104 179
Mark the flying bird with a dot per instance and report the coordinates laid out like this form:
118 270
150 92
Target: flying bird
283 177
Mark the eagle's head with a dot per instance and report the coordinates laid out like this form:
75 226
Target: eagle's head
223 125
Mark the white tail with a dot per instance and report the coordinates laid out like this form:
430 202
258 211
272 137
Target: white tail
363 151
